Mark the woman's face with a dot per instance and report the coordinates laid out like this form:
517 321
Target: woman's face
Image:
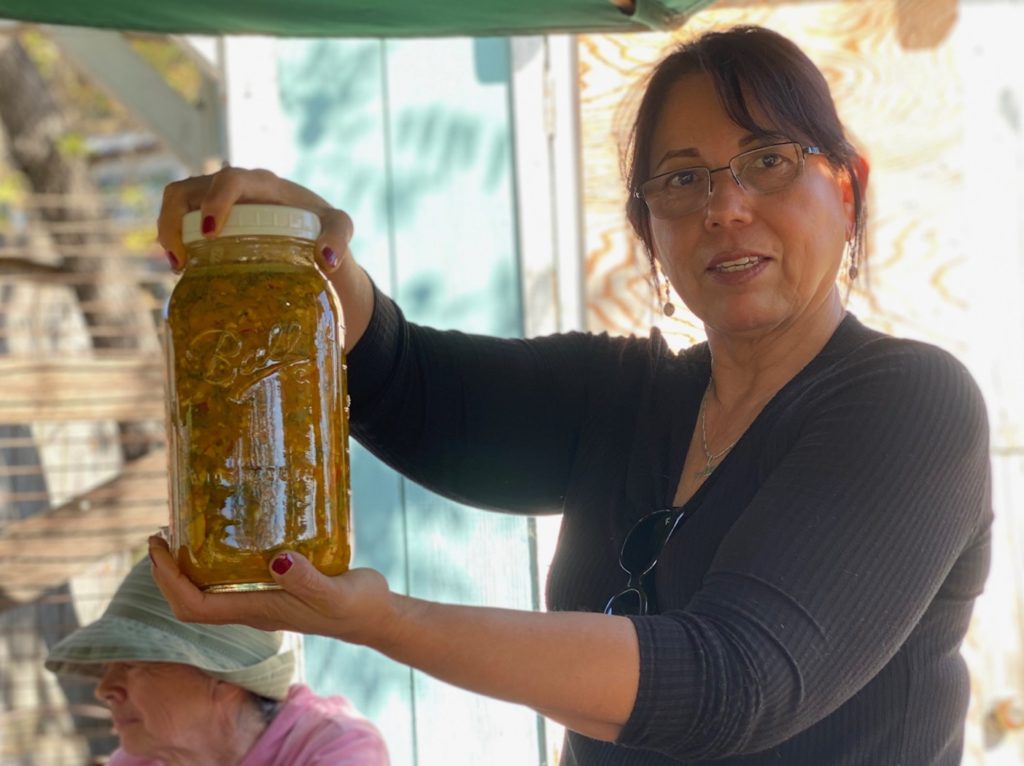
781 251
162 710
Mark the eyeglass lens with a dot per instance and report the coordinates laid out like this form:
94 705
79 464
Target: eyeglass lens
630 601
763 171
640 551
643 543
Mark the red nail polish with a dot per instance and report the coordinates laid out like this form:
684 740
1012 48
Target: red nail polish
173 260
282 563
209 224
330 257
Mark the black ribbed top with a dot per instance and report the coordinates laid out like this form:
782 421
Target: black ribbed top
812 606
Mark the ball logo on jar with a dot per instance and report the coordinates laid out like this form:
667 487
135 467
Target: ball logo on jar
240 359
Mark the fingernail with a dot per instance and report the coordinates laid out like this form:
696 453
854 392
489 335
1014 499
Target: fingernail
282 563
173 260
209 224
151 559
330 257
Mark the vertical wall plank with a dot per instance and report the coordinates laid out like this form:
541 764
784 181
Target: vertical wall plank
413 138
333 108
456 266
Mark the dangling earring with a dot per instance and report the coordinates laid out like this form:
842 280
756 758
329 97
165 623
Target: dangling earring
851 248
668 308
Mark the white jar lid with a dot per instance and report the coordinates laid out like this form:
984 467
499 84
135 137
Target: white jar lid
256 220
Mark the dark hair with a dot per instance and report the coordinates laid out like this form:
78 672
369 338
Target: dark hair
747 62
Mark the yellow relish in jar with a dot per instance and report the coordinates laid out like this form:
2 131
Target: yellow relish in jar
257 403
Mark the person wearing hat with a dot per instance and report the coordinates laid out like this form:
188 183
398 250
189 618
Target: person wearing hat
207 694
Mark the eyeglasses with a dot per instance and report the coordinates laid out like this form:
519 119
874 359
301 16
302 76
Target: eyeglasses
640 552
764 170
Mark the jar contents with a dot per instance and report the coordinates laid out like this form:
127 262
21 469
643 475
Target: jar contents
258 420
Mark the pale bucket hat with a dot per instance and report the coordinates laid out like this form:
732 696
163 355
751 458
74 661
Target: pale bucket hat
138 626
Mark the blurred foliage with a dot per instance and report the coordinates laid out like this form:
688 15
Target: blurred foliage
87 112
140 241
12 187
72 144
84 106
133 196
173 62
88 107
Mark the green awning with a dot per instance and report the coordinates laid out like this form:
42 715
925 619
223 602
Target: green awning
355 18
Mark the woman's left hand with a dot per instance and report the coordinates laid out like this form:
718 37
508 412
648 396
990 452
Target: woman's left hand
356 606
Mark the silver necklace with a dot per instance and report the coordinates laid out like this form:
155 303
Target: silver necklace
710 457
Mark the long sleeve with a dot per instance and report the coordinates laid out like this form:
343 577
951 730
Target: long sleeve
865 537
486 421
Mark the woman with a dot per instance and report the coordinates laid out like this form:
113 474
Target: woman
200 694
800 505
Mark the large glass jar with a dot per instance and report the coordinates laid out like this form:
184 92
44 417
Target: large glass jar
257 404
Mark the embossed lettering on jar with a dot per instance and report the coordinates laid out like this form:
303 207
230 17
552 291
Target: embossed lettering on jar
257 404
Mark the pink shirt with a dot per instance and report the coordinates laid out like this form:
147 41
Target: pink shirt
307 731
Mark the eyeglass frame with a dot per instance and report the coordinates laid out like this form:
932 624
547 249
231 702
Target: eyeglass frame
635 582
805 150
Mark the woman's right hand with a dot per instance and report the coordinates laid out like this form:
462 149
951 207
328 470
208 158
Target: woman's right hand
214 195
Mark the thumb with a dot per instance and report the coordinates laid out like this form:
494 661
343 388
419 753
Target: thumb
297 575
